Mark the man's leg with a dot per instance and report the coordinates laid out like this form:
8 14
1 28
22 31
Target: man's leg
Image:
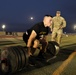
34 46
59 36
53 36
44 45
43 50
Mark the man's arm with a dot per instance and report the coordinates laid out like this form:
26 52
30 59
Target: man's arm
52 25
63 24
32 36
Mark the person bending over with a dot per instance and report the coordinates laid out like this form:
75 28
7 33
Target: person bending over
37 34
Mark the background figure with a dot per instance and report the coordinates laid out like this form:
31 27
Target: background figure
58 23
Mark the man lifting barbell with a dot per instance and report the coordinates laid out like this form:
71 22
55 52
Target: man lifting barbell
32 36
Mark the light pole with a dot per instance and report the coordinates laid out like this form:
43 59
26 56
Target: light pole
3 27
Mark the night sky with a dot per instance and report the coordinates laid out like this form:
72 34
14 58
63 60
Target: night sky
16 14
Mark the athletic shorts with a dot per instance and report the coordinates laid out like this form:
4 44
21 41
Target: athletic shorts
25 37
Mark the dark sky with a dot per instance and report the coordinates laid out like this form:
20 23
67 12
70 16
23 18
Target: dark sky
15 14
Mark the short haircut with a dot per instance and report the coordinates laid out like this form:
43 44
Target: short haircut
48 16
58 12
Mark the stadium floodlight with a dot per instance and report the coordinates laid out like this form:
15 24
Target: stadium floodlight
3 27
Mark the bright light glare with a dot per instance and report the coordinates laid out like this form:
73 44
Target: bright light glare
3 26
31 18
74 27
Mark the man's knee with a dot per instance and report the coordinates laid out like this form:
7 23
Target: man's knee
59 36
36 43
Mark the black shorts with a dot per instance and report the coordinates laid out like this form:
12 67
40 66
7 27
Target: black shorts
25 37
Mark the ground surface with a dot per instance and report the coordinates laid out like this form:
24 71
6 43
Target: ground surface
63 64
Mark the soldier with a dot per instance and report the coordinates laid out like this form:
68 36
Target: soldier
32 36
58 23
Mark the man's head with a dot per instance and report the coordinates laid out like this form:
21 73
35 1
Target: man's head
58 13
47 20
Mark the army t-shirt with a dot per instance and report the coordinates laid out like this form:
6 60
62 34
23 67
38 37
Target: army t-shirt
40 29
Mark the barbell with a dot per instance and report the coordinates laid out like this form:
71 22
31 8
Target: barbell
15 58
